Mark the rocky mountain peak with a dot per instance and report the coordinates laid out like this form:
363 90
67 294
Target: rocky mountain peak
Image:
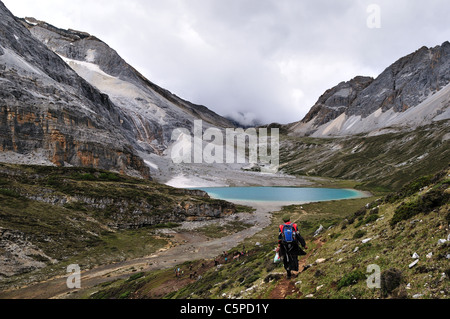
337 100
50 115
402 86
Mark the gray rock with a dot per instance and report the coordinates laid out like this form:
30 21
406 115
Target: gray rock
335 101
319 231
415 256
320 261
414 263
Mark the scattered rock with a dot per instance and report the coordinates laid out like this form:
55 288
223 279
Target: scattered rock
319 231
442 241
298 283
310 296
321 260
320 287
430 255
408 286
365 241
413 263
415 256
417 296
356 249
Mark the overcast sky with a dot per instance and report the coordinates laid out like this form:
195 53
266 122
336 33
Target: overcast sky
252 59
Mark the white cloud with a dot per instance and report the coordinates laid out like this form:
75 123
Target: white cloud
265 59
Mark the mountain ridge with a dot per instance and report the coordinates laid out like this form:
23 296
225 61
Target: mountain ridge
405 84
78 48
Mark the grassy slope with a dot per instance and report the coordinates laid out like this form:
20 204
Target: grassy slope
343 272
386 161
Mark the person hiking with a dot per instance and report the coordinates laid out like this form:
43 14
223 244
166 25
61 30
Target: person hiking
289 241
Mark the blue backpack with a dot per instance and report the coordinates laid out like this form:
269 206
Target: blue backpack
288 233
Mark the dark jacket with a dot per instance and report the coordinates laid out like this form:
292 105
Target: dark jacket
293 249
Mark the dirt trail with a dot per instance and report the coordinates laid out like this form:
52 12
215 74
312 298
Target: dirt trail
195 247
286 287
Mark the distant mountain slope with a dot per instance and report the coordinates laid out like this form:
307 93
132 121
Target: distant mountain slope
411 92
154 111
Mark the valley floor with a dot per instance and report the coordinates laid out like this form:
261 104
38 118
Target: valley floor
186 244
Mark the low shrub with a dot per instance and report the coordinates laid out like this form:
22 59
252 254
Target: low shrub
9 193
424 204
351 279
359 234
390 280
371 219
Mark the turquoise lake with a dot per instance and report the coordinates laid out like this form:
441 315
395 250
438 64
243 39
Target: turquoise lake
281 194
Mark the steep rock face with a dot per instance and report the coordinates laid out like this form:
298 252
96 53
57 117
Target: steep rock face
407 82
154 111
46 106
337 100
364 105
135 214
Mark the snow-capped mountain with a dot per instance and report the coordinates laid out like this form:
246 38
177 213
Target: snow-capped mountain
412 92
